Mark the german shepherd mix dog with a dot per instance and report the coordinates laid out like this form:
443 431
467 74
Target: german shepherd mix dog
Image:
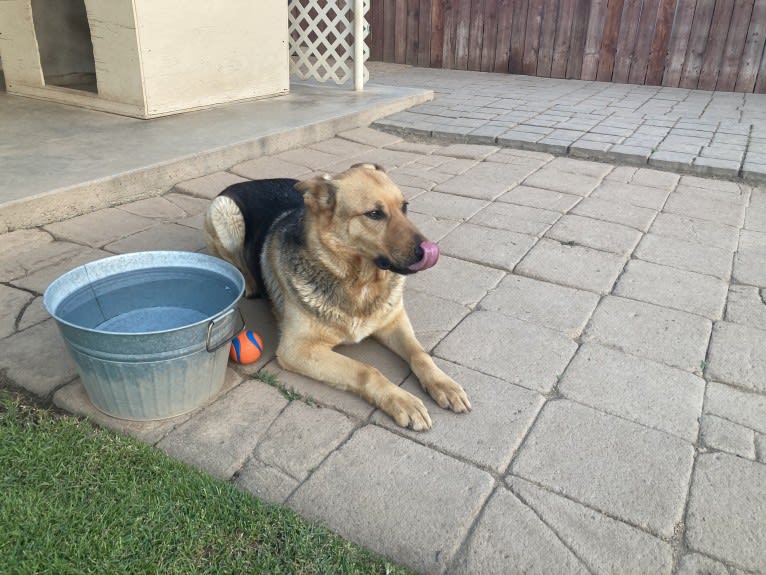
332 253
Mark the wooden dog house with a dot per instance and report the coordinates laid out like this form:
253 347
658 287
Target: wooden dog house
145 58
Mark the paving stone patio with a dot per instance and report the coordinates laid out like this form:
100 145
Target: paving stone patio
607 321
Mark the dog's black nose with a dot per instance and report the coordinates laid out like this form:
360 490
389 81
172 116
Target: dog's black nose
419 253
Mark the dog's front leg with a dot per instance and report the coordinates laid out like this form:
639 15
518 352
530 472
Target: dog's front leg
399 337
320 362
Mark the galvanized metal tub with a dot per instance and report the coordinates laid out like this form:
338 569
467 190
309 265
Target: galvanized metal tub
148 330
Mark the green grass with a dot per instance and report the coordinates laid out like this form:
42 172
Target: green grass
75 498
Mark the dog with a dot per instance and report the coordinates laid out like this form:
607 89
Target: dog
332 253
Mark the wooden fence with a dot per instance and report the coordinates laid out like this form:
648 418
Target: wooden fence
705 44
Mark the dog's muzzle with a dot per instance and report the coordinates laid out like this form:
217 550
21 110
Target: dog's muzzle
426 254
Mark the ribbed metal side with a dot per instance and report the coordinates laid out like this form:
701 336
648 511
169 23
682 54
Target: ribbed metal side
147 375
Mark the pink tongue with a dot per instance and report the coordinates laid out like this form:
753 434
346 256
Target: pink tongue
430 257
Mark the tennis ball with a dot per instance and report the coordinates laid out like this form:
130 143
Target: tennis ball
246 347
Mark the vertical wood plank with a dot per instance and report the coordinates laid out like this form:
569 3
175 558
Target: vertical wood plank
424 34
547 38
626 40
489 45
609 42
679 40
658 55
400 27
594 34
389 31
518 36
713 57
753 52
448 44
503 41
437 32
375 38
476 33
562 45
735 44
462 33
646 28
760 82
532 40
703 17
411 43
577 43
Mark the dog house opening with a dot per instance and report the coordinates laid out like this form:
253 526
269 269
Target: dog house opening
63 39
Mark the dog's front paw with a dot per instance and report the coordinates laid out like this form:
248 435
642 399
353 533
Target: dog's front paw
447 393
407 410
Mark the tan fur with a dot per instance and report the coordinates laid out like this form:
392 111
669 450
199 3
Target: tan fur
366 301
225 234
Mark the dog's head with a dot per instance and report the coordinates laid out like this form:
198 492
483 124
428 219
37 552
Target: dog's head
361 213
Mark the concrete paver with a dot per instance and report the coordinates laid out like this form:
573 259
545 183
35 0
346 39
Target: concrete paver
637 389
685 255
170 236
692 230
726 509
510 533
20 359
738 356
301 437
603 544
33 314
535 358
572 265
433 317
743 407
745 305
674 288
497 248
694 564
14 302
633 194
597 234
60 258
223 435
619 213
209 186
99 228
422 527
457 280
722 435
722 212
550 305
676 338
267 483
515 218
540 198
603 461
489 443
613 429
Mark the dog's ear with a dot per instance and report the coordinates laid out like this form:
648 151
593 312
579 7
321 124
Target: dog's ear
318 193
368 166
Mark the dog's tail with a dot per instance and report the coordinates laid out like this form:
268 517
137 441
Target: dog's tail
225 226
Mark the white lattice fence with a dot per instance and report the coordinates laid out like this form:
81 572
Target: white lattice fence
322 40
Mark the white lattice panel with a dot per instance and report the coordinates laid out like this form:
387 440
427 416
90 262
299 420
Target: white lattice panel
322 39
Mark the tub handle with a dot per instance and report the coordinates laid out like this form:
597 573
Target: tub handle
226 339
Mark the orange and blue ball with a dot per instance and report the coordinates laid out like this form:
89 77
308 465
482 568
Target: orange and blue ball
246 347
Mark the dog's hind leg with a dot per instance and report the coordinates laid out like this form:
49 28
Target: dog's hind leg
225 237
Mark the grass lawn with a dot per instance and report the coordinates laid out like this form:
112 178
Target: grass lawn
75 498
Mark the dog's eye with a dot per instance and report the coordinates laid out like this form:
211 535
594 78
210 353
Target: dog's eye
404 207
375 214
